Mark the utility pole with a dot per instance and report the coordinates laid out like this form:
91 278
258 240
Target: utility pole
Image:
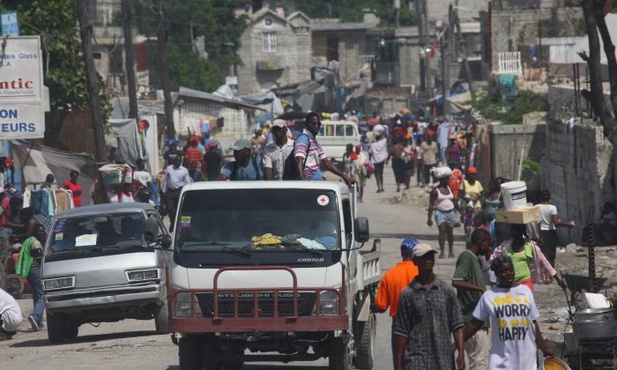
422 39
161 34
129 55
85 33
463 51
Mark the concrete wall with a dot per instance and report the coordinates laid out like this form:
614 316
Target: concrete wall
575 171
508 142
519 29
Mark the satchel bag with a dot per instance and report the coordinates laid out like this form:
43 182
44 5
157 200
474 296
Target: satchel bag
290 169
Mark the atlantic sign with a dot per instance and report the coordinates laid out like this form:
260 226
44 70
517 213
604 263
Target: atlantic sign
22 112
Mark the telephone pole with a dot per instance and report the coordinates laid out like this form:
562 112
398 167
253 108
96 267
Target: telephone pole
129 57
161 34
85 33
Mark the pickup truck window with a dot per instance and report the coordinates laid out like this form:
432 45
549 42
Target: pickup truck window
94 235
248 222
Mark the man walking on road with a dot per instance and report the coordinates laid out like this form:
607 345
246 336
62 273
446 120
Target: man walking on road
428 313
393 282
469 282
176 176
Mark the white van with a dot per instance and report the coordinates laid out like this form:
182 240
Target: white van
334 137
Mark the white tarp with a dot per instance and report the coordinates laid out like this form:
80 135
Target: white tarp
36 161
267 100
129 144
570 56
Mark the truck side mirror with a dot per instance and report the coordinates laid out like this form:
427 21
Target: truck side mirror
164 241
361 233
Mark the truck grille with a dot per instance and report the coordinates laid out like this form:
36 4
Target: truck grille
247 306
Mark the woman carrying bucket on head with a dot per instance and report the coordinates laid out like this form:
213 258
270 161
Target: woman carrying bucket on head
530 264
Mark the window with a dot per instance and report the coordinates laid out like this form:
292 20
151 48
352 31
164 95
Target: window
269 42
268 21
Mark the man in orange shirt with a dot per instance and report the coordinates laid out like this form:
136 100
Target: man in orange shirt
394 281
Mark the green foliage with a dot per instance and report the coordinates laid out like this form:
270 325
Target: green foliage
186 20
531 166
509 113
54 21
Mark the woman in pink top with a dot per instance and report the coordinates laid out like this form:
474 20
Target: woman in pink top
442 204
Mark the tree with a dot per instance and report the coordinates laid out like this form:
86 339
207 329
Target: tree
594 20
185 22
63 68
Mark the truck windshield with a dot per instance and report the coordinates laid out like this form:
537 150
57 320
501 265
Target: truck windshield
253 221
104 234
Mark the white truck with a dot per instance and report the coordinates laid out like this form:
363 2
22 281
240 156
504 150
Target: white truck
271 271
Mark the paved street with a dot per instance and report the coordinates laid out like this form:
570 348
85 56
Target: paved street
133 344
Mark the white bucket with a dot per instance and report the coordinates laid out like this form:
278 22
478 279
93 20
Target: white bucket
514 194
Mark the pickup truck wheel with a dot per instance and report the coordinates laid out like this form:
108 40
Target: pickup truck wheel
366 344
237 365
72 330
340 355
56 328
191 356
161 319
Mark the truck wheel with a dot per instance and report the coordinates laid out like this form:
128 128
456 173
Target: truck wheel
340 355
161 318
71 330
190 355
237 365
366 344
56 331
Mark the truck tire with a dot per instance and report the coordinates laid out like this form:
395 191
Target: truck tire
56 328
340 355
190 354
236 365
366 344
71 330
161 318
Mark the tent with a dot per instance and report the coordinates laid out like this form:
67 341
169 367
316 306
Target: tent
36 161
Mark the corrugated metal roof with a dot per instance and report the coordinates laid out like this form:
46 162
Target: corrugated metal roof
184 91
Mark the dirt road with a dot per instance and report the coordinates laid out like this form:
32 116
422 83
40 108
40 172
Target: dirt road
133 344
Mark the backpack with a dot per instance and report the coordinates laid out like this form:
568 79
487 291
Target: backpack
290 170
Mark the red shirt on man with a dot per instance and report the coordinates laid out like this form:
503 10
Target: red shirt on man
76 190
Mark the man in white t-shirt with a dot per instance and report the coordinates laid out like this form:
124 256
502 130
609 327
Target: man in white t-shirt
10 316
145 180
549 222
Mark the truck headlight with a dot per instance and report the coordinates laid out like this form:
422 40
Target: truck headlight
67 282
183 305
141 275
328 303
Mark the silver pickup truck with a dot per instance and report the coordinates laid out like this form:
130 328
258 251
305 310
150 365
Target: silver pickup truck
104 263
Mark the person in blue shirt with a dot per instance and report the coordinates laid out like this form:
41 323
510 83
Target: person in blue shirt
245 167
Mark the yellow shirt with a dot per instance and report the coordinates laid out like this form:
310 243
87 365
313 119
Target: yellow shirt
474 191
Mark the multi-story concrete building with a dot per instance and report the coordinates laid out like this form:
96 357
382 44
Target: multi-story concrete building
275 51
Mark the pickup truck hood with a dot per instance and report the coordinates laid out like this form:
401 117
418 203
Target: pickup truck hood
183 278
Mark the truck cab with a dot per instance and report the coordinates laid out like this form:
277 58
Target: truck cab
271 271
